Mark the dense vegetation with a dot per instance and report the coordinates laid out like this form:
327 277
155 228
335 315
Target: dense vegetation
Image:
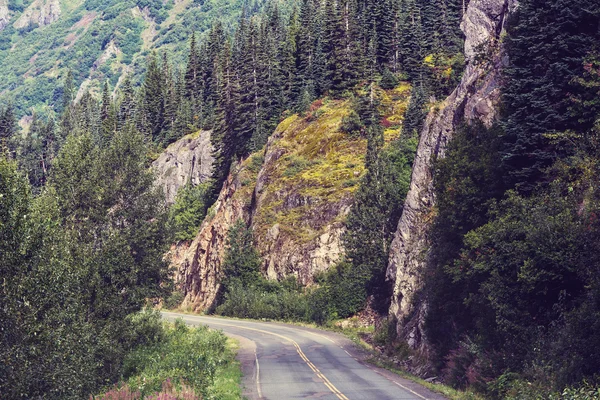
99 41
513 271
177 362
77 260
83 230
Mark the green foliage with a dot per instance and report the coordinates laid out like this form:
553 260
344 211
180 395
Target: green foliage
352 124
388 80
374 217
241 263
547 49
84 255
513 278
193 356
188 211
266 300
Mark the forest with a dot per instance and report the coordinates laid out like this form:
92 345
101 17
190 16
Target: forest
512 280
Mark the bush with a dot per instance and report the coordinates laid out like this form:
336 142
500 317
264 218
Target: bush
271 301
174 300
352 125
388 80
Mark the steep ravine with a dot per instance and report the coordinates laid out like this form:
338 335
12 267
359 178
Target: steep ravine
475 98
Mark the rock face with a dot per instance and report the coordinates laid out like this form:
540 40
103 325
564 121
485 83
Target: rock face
4 14
188 159
474 98
40 13
306 236
198 264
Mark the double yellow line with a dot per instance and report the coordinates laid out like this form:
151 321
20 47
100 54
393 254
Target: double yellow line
312 366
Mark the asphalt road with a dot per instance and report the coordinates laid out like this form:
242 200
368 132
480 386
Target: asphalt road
282 362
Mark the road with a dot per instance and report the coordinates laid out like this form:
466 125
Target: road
282 361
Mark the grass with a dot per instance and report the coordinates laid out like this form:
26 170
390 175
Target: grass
179 362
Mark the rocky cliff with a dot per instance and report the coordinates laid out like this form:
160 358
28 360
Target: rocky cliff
187 160
475 98
39 13
4 14
295 195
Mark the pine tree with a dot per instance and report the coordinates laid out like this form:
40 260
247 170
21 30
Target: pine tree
547 43
224 137
127 106
8 128
376 210
108 120
153 106
67 119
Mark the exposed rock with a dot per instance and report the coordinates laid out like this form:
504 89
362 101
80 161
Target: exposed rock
110 50
40 13
287 251
198 264
4 14
188 159
474 98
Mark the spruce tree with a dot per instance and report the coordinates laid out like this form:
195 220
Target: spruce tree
107 116
8 127
547 43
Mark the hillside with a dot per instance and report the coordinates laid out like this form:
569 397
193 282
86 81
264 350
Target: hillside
40 40
295 195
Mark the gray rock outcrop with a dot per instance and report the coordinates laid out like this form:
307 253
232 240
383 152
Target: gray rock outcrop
4 14
187 160
40 13
475 98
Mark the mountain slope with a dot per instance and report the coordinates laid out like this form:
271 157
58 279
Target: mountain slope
99 40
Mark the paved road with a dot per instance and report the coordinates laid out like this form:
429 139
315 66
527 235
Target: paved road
282 361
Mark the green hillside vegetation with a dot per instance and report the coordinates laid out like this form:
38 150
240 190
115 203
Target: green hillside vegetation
100 41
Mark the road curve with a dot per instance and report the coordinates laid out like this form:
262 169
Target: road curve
282 361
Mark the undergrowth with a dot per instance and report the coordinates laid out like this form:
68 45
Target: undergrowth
178 362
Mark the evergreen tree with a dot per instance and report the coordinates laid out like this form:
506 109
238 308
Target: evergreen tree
67 119
153 106
8 128
376 210
546 45
108 120
241 263
127 106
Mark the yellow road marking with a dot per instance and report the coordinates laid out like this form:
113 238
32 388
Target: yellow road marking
312 366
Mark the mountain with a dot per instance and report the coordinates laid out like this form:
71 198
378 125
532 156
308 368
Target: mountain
99 41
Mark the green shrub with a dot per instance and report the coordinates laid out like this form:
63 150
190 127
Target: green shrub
174 300
271 300
388 80
295 166
352 125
